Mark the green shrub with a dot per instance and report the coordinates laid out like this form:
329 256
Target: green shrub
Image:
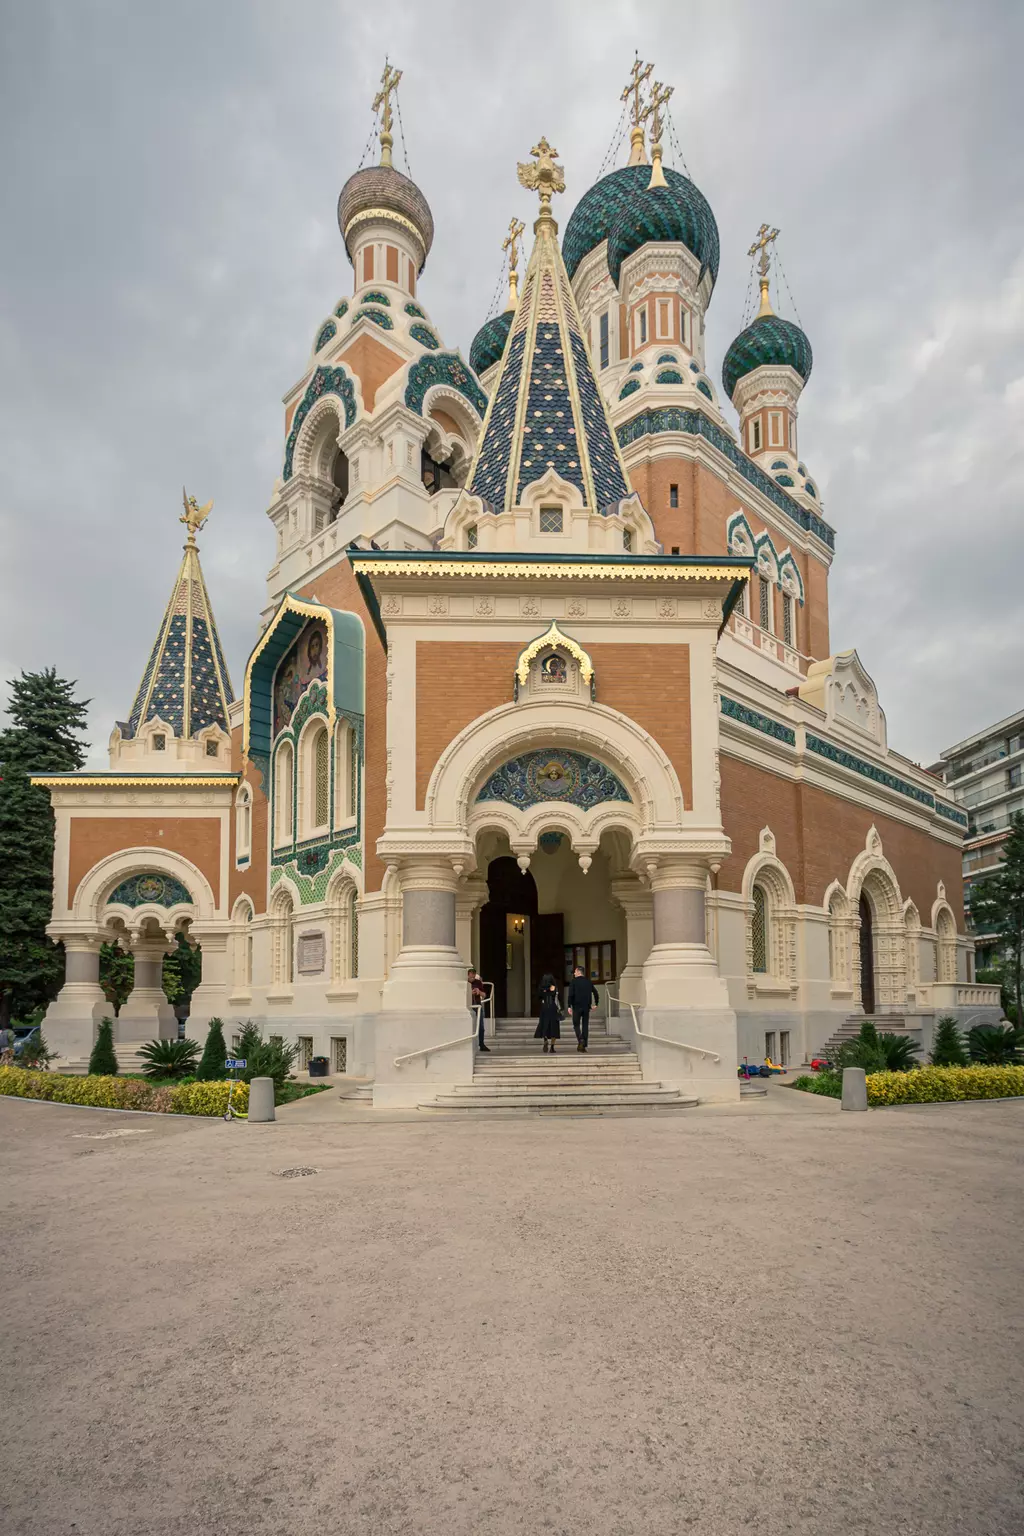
211 1068
898 1051
264 1058
995 1045
207 1098
874 1051
170 1058
35 1053
931 1085
829 1084
948 1049
121 1093
102 1061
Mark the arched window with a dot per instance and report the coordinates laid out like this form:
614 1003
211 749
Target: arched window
284 794
945 929
343 915
282 940
241 919
243 823
339 480
344 774
320 780
759 932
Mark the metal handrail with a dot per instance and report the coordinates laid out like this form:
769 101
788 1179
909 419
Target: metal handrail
645 1034
428 1050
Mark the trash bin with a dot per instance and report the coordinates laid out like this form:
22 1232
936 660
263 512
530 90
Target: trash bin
318 1066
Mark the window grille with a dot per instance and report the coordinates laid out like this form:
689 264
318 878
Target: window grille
787 619
471 536
211 749
755 436
627 540
673 495
159 743
305 1043
322 785
353 929
766 600
759 932
550 519
339 1054
604 339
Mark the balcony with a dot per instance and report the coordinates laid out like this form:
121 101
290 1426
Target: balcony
770 645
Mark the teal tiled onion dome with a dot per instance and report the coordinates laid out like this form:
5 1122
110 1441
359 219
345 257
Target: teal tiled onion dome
769 340
599 209
382 190
676 214
489 342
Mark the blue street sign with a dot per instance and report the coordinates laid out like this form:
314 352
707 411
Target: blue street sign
235 1063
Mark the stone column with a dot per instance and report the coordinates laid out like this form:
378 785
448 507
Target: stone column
470 896
210 998
69 1027
147 1015
636 902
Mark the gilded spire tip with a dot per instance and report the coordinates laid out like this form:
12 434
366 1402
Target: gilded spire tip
765 238
193 517
382 104
544 178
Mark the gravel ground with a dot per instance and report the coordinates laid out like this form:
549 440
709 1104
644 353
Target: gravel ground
723 1322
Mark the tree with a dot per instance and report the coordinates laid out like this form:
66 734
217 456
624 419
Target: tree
117 975
103 1062
211 1068
997 906
42 736
182 971
948 1049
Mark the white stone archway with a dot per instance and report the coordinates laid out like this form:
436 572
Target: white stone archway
872 876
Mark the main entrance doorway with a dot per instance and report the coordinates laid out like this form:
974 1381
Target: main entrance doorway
867 957
517 943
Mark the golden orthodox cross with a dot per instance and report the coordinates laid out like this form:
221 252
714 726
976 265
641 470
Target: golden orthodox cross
511 244
640 73
382 103
659 96
765 238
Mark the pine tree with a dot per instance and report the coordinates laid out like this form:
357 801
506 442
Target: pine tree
211 1068
117 975
103 1062
997 907
948 1049
42 736
182 971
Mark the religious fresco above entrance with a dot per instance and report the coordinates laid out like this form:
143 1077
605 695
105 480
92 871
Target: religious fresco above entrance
305 663
539 777
149 890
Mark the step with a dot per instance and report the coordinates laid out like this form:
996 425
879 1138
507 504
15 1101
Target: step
544 1079
653 1097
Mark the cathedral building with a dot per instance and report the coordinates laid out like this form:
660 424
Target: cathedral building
543 677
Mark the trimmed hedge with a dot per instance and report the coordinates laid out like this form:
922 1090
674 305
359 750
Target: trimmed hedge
933 1085
122 1093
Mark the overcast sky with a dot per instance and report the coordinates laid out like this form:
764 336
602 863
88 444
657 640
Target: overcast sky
168 189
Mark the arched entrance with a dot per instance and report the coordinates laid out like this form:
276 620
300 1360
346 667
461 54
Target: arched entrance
509 927
867 956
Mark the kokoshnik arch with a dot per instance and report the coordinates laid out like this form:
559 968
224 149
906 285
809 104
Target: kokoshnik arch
544 616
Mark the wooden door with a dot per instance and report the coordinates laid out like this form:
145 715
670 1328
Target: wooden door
867 957
547 953
492 953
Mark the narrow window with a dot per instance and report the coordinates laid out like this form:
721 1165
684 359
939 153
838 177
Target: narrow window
769 1044
321 780
792 435
684 325
283 795
766 603
627 544
603 331
640 326
788 627
368 264
675 549
211 749
663 321
775 429
471 536
755 436
159 743
550 519
759 933
673 495
783 1047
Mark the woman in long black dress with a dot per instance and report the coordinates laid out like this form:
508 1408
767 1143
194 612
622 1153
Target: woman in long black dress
550 1013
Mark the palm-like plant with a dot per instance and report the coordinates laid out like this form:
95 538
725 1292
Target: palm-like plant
995 1045
898 1051
169 1058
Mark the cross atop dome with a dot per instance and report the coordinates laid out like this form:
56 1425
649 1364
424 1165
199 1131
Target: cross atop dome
638 75
765 238
388 83
659 96
511 244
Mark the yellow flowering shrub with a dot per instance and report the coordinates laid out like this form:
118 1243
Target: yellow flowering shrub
931 1085
122 1093
208 1098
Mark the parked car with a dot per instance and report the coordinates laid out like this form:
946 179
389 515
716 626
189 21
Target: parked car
25 1036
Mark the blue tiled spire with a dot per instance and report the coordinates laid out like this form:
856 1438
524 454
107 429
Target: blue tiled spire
186 683
546 410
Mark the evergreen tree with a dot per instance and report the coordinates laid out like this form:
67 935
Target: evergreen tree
117 975
211 1068
182 971
103 1062
948 1049
997 907
42 736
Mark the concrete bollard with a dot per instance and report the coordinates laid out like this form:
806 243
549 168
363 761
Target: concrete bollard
261 1099
855 1089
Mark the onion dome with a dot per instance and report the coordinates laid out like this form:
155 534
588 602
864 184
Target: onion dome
381 193
489 342
677 213
768 341
687 211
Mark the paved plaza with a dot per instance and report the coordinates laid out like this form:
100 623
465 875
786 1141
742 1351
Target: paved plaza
765 1320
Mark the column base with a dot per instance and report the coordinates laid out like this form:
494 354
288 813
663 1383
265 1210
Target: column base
399 1034
683 976
72 1019
712 1029
427 978
147 1015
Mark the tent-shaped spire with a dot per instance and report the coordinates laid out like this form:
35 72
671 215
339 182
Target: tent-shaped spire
186 683
547 411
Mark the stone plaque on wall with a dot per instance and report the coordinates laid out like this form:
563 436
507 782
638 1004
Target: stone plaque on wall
311 953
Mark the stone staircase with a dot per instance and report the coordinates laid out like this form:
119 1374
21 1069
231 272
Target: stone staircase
850 1028
516 1076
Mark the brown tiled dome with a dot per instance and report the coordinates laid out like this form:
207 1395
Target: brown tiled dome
381 186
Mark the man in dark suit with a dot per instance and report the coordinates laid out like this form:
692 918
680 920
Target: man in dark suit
582 993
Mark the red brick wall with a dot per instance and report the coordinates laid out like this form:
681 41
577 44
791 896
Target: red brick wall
444 708
651 685
96 838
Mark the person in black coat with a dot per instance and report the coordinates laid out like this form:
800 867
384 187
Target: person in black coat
550 1013
582 993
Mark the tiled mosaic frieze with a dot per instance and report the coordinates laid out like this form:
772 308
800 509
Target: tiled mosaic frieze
758 722
442 368
149 890
676 418
537 778
859 765
956 817
313 887
424 337
325 381
325 334
378 316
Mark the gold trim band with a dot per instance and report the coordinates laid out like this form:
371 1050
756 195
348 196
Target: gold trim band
506 570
